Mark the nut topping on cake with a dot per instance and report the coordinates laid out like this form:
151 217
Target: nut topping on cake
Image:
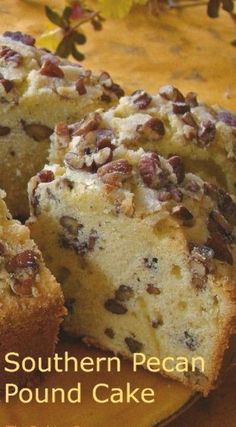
50 69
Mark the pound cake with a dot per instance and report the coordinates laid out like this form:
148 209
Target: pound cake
38 90
31 301
171 123
144 251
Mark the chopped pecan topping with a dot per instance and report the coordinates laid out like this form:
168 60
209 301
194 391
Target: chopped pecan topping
206 132
107 82
189 120
226 205
45 176
178 167
25 259
124 293
62 129
114 306
191 99
90 123
37 131
104 138
73 161
227 117
220 248
150 170
182 213
80 86
113 173
10 55
20 37
152 128
217 223
164 195
22 287
152 290
133 345
4 130
171 93
141 99
180 107
50 69
7 84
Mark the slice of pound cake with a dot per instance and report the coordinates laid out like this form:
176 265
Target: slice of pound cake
31 301
171 123
38 90
144 252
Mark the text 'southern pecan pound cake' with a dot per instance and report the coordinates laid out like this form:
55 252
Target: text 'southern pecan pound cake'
171 123
31 301
38 90
144 250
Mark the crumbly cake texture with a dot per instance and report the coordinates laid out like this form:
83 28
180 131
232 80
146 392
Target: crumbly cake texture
38 90
171 123
144 251
31 301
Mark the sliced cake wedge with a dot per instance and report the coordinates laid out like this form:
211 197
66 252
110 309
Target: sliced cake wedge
144 251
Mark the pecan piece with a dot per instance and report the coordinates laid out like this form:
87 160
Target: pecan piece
124 293
20 37
191 99
178 167
7 84
150 170
206 132
114 306
152 128
152 290
37 131
180 107
45 175
80 86
226 205
90 123
22 287
25 259
133 345
4 130
171 93
220 248
104 138
2 249
50 69
141 99
182 213
11 55
218 223
109 333
73 161
115 172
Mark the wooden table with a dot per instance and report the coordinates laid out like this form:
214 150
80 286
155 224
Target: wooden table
188 50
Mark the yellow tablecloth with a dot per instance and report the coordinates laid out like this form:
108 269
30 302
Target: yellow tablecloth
188 50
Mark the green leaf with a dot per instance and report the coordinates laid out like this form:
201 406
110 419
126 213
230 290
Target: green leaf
76 54
213 8
79 38
54 17
228 5
67 13
64 48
